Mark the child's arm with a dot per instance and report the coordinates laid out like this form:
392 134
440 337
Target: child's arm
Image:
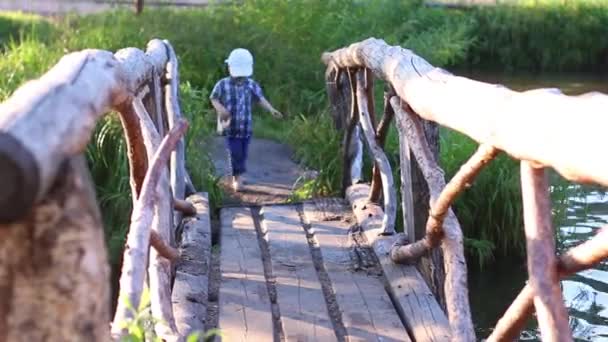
266 105
221 110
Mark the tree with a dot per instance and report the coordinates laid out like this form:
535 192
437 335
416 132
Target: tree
139 6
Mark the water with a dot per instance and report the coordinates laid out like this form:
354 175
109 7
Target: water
586 294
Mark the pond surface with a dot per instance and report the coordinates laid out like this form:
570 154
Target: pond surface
586 293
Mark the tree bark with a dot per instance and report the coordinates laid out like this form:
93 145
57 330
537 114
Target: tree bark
54 274
511 121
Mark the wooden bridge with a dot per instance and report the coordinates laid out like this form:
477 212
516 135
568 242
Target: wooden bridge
321 270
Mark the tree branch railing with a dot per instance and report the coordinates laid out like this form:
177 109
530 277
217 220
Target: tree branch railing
47 123
499 119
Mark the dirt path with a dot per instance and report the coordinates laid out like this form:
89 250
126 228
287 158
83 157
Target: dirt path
271 173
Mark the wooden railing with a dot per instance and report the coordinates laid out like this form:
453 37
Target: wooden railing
543 128
51 236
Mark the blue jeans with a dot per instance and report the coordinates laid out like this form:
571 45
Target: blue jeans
239 150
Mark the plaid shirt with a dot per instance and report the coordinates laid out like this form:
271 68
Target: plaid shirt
237 97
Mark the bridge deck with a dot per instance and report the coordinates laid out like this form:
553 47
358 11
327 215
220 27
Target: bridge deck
305 272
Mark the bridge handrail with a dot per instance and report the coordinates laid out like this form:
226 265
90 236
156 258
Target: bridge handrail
49 121
538 127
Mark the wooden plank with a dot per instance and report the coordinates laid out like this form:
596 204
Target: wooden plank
299 294
244 305
190 289
413 299
367 311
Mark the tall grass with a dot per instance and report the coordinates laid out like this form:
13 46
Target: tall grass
543 37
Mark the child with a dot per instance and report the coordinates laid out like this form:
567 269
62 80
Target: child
232 98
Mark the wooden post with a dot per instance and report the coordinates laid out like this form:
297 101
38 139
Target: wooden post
54 273
456 291
173 114
405 162
136 250
579 258
139 6
542 262
351 148
390 196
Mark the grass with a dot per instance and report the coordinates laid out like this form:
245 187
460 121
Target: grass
287 39
542 38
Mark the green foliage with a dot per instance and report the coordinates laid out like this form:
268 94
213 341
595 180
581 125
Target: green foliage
483 249
140 328
549 37
490 210
323 156
107 160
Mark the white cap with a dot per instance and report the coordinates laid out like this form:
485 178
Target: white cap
240 63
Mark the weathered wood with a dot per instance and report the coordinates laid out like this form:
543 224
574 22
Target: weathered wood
405 162
412 298
60 109
584 256
190 289
351 143
178 157
158 114
542 262
434 226
381 134
339 104
136 150
162 248
509 120
138 238
189 186
390 195
367 311
185 207
54 274
431 265
301 301
456 290
245 312
376 184
159 268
